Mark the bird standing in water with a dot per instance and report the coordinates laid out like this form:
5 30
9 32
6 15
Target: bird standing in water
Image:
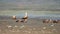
25 17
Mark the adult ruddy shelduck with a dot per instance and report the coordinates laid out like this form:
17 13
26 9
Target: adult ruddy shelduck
14 17
24 19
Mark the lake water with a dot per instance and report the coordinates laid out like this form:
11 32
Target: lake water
21 13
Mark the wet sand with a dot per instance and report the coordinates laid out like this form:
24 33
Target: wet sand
33 26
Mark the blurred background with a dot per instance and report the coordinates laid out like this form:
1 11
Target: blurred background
33 7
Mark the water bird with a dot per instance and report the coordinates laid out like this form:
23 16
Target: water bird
24 19
51 21
14 17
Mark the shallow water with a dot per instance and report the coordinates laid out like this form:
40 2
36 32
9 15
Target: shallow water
32 14
14 12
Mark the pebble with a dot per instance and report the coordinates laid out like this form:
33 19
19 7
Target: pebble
52 25
9 26
27 31
54 30
34 28
22 26
44 27
15 26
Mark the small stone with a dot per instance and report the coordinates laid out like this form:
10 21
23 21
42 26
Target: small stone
44 27
52 25
29 32
22 26
34 28
17 31
54 29
9 26
16 26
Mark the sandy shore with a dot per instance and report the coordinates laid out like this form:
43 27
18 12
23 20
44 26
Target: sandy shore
33 26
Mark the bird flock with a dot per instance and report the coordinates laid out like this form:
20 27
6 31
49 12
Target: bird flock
25 18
